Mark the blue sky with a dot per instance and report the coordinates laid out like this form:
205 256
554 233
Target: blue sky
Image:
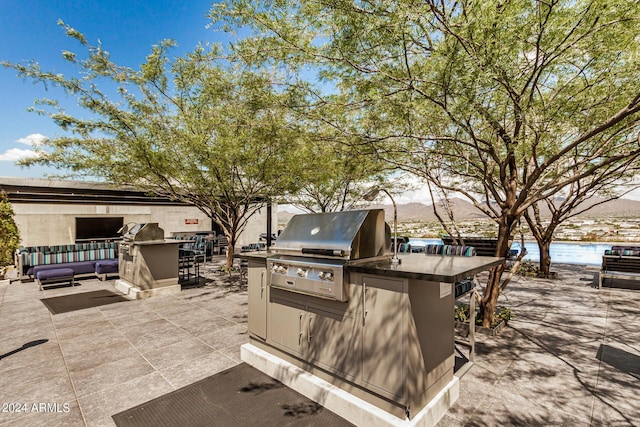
126 28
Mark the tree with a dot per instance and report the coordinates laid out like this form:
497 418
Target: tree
9 234
491 100
609 183
339 179
196 128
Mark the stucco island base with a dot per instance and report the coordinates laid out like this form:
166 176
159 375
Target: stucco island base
344 404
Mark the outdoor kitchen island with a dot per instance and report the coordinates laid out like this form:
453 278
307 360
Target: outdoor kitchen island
148 263
379 352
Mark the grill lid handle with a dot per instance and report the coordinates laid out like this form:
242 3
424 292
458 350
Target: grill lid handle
325 252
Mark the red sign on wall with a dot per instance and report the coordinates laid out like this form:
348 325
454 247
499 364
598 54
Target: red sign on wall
191 221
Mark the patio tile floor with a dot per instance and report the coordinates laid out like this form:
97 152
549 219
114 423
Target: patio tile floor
570 355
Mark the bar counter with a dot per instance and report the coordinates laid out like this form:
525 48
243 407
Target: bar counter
417 266
432 268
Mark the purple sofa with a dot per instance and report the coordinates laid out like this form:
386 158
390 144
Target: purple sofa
81 257
106 267
100 268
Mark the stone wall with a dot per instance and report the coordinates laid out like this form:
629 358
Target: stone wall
54 224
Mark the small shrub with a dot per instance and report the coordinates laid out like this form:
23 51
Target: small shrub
462 314
528 269
504 313
9 235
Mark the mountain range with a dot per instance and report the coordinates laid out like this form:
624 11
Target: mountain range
463 210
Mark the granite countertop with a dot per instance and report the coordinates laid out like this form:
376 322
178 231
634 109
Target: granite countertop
433 268
156 242
256 255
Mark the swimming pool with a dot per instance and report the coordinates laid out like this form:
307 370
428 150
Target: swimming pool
587 253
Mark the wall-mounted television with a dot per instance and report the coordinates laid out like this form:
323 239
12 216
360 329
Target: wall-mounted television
98 228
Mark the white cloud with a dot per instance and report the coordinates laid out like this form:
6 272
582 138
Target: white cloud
633 195
15 154
416 190
33 140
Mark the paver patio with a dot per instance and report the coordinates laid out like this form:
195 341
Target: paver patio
570 355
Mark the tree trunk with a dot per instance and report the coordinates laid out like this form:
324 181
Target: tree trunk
231 244
229 256
543 235
489 300
545 258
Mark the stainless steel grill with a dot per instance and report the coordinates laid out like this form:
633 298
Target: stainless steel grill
142 232
313 250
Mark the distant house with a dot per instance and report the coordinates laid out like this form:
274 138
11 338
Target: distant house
57 212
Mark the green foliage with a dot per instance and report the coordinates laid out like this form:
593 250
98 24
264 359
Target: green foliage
228 270
489 99
462 314
528 269
340 176
507 103
504 313
9 235
197 128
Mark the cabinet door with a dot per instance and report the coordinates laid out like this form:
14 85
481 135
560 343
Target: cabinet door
257 283
332 338
384 312
288 325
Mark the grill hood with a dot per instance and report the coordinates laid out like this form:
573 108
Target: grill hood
143 232
348 235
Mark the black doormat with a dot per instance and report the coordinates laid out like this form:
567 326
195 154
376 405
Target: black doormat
73 302
240 396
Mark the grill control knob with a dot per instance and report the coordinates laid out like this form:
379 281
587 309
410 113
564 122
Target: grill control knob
301 272
325 275
278 269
